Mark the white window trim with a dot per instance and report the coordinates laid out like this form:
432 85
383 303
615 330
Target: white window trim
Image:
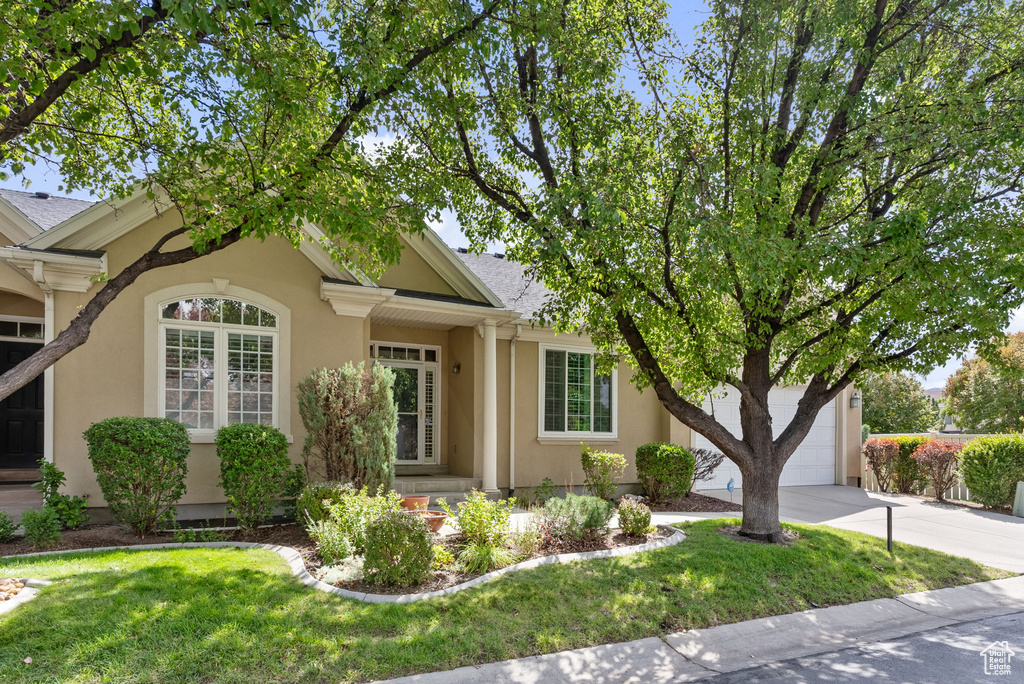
154 346
437 366
24 319
548 437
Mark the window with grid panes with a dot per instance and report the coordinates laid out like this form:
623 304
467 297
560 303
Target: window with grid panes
577 399
220 362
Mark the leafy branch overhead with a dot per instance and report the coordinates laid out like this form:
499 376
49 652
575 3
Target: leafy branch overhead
807 192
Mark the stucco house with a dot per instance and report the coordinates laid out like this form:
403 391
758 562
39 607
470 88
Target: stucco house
499 403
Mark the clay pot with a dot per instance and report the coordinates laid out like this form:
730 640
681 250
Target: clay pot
435 519
416 503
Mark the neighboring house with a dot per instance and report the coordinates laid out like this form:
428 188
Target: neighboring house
226 338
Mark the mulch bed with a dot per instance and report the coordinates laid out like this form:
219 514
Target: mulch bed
93 536
695 503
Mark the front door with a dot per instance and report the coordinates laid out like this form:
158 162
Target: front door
21 414
409 399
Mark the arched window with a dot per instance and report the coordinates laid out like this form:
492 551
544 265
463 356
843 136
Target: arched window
220 362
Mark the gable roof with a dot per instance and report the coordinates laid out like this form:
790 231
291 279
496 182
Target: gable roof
517 290
43 209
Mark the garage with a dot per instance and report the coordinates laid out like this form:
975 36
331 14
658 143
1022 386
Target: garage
813 462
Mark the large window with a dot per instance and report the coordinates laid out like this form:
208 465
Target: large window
577 399
219 363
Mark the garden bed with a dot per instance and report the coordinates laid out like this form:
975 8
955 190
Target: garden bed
695 503
446 578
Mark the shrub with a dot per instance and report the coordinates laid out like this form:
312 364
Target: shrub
544 491
906 475
602 471
314 503
991 467
706 462
481 520
398 549
880 454
140 465
664 470
528 538
354 512
42 527
70 510
331 542
938 462
253 470
576 517
7 527
481 558
294 483
351 420
634 518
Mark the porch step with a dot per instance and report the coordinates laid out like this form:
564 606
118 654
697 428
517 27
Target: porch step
430 484
421 469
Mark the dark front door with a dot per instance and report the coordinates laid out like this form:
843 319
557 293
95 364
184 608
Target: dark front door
21 414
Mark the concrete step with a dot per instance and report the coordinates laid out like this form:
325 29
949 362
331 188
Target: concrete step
428 484
403 470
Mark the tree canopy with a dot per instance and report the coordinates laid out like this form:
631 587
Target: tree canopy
808 192
247 118
896 403
986 394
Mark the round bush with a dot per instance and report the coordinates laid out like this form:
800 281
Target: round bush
315 501
991 467
7 527
907 477
634 518
42 527
938 463
253 470
398 549
664 470
140 465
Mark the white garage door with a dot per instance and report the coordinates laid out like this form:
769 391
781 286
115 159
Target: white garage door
813 462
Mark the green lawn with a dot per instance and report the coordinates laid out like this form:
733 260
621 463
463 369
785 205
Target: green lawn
230 615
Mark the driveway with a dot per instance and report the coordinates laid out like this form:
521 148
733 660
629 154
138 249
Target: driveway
990 538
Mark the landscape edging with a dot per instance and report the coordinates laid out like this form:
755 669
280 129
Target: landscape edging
298 567
27 593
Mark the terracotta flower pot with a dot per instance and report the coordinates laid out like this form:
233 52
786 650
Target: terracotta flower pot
435 519
413 503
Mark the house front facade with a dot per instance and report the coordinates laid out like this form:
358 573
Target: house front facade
483 394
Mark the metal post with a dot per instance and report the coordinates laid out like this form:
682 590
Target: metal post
888 525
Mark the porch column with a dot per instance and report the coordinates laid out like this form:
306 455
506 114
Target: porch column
490 455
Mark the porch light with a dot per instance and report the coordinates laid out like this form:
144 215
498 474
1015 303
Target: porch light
855 399
456 368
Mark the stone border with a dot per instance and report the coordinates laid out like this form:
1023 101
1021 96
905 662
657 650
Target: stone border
298 567
27 593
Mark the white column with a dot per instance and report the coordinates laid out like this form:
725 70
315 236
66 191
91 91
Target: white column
490 455
49 333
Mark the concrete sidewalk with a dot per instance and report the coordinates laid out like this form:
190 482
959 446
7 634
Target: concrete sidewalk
990 538
701 654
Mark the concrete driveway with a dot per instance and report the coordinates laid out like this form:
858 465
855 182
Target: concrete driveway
990 538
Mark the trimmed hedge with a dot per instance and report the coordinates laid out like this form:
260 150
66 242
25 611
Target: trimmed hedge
602 471
664 470
254 469
991 468
907 477
140 465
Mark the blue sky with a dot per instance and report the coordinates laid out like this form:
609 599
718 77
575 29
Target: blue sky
684 16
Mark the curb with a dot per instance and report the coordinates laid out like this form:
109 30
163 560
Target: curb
27 593
298 567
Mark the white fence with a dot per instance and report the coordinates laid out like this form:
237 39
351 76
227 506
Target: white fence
958 491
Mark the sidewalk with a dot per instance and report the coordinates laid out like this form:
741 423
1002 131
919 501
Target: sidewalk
700 654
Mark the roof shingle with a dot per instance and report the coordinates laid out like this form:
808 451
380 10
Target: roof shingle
44 212
509 280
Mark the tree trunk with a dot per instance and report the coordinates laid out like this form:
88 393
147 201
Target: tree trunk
761 503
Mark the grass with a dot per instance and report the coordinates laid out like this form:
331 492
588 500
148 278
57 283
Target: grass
232 615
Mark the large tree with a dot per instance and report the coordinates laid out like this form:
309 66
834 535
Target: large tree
811 191
986 394
244 117
895 403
